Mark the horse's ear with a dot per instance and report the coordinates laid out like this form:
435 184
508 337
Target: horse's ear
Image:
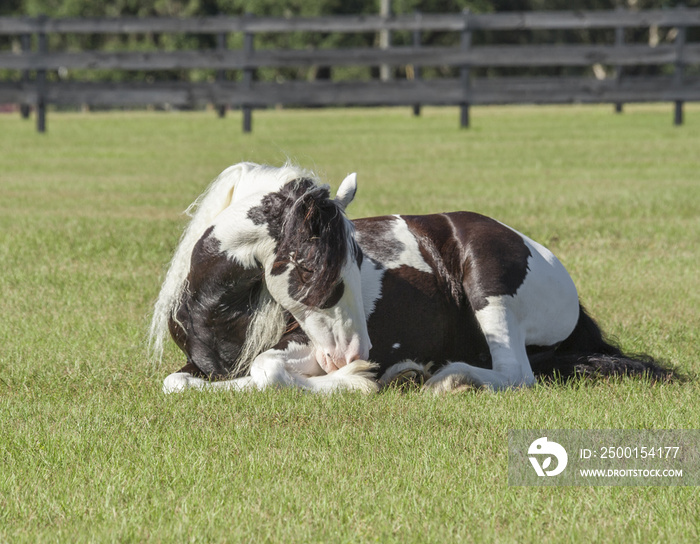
346 191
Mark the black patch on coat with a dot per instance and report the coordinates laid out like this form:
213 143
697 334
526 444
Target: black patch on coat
312 237
294 334
426 313
441 251
334 297
495 257
215 309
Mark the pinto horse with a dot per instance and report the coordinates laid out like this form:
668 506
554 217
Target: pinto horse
272 285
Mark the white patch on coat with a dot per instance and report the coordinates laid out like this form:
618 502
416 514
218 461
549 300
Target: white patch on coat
410 254
371 277
546 305
241 239
299 359
543 311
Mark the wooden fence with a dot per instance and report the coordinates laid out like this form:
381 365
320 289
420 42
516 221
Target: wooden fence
677 85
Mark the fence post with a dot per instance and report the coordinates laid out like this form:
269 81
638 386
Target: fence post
41 80
247 77
417 71
619 41
678 72
221 74
384 38
466 43
26 44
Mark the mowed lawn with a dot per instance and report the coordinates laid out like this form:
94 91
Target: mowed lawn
91 450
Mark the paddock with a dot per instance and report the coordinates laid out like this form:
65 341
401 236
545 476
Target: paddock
91 212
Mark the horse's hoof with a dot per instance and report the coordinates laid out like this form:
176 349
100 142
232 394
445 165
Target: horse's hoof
448 383
405 375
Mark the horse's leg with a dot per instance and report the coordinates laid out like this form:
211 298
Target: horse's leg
179 381
504 336
275 368
297 367
272 368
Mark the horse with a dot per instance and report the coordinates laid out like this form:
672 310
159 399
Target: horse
272 285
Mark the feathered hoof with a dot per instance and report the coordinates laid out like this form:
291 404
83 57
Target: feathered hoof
448 383
356 376
405 375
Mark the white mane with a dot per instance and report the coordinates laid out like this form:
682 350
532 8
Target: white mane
234 184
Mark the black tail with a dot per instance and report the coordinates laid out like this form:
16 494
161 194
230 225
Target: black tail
586 352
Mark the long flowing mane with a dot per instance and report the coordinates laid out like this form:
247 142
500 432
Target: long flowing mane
234 183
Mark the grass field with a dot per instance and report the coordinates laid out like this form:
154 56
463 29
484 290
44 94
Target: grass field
91 450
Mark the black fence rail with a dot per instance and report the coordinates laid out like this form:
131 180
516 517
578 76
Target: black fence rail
461 87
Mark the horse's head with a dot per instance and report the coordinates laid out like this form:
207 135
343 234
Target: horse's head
280 225
225 317
313 269
223 205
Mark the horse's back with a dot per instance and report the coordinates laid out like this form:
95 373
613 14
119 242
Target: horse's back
468 254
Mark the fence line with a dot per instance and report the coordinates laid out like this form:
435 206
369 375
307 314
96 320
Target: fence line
464 90
539 20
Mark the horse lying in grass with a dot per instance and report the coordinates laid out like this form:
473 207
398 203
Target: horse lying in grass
272 285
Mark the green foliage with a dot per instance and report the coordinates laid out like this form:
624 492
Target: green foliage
301 40
306 8
91 450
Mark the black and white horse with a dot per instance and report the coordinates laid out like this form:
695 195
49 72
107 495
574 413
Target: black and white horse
272 285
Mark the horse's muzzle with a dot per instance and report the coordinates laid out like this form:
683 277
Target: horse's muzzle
331 360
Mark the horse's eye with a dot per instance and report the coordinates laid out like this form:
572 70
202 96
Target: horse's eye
335 296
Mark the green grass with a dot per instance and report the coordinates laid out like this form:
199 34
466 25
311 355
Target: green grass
90 449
